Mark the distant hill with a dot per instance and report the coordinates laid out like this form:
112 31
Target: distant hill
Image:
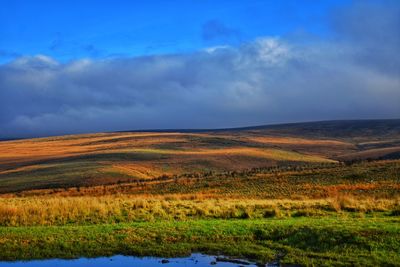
7 139
104 158
344 129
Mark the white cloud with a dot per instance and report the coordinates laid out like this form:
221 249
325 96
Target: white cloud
265 81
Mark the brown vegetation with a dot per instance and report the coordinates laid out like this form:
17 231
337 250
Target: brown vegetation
109 158
110 209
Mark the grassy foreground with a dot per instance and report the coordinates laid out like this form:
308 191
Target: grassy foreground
324 194
335 241
323 215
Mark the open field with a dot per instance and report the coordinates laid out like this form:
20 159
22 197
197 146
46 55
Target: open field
108 158
325 215
325 241
259 193
93 160
59 211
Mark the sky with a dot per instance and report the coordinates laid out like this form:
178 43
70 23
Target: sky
89 66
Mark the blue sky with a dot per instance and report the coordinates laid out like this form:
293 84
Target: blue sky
69 30
90 66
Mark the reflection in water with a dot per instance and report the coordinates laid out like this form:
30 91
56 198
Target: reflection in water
197 260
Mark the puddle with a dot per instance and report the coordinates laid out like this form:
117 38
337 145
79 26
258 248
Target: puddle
197 260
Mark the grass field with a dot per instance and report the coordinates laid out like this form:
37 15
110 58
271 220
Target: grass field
109 158
370 241
262 194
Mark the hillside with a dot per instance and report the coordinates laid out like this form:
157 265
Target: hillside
109 158
338 129
300 194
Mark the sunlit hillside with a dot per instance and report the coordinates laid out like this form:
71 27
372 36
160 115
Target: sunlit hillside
317 193
109 158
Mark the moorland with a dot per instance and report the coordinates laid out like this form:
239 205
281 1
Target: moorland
321 193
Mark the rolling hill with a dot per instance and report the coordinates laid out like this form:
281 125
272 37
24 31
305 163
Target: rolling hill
322 193
109 158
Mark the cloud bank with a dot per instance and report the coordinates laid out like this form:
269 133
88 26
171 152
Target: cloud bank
354 74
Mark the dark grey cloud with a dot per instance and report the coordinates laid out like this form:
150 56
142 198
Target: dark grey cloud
370 26
267 80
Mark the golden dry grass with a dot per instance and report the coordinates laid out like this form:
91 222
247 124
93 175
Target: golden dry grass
107 209
106 158
296 141
40 148
93 159
58 147
141 171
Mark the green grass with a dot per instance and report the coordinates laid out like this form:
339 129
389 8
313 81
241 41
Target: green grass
330 241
